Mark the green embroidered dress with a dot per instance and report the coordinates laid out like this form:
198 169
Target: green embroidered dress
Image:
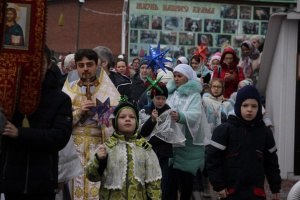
132 170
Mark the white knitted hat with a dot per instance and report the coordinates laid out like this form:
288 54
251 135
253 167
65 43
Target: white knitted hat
166 77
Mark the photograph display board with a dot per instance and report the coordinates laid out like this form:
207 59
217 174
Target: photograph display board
181 26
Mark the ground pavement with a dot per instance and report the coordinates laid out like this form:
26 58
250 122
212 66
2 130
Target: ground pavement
286 186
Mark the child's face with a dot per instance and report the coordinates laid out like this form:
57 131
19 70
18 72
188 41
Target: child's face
249 109
126 122
159 101
215 63
216 88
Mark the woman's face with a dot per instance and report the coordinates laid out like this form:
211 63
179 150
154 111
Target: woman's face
136 64
121 67
10 16
228 58
179 79
194 64
245 50
256 43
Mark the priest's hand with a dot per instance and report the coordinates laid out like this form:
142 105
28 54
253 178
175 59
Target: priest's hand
85 107
10 130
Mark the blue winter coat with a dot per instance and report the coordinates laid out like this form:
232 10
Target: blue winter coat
240 156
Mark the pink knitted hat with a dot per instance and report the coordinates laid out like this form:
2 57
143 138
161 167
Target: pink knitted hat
216 56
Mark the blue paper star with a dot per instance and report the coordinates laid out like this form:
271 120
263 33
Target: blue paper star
156 58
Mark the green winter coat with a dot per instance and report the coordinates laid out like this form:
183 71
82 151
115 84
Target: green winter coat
186 100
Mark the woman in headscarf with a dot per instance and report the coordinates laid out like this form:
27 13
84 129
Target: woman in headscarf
201 70
250 61
185 101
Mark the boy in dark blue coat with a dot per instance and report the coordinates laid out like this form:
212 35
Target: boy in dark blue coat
242 152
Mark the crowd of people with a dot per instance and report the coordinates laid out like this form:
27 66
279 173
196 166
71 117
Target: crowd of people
169 133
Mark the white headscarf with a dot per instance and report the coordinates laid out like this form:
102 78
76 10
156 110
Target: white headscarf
183 60
187 71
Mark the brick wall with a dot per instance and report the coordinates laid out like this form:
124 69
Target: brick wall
96 29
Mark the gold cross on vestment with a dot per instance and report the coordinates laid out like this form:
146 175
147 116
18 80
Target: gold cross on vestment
5 86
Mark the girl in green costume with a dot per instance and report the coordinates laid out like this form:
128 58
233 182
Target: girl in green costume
126 165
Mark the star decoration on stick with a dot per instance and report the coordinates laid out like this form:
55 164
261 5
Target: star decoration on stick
156 58
202 52
153 84
102 112
123 99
